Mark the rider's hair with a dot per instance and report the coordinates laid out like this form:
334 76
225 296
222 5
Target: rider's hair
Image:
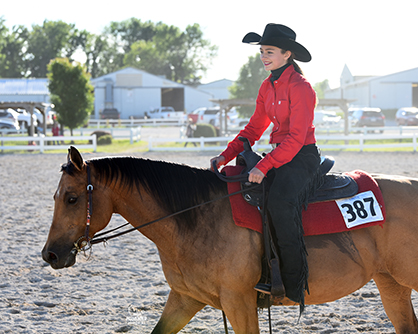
291 60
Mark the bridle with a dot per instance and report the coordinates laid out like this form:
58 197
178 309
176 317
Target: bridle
85 243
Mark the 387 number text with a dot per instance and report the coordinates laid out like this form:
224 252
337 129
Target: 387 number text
359 209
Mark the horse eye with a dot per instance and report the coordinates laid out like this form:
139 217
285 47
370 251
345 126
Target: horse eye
72 200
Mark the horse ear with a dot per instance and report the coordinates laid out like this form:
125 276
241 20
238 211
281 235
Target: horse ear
75 157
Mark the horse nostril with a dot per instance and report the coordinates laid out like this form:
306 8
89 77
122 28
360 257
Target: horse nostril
50 257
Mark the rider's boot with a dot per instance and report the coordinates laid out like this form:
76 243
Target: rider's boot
276 288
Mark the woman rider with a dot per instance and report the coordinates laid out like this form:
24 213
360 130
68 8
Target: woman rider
287 100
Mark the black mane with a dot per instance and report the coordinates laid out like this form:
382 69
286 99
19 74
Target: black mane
174 186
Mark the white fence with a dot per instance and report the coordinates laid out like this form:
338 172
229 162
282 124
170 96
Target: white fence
42 143
106 123
404 137
134 133
219 143
362 141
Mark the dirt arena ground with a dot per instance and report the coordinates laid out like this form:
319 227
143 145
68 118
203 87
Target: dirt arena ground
122 287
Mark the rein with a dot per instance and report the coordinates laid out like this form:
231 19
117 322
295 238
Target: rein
84 243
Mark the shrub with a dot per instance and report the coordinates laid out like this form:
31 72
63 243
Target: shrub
104 140
101 133
204 130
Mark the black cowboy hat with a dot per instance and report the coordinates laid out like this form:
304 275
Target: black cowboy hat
281 36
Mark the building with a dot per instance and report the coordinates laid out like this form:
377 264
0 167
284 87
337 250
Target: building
386 92
133 92
218 89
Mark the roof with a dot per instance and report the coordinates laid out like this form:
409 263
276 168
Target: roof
222 83
367 79
24 87
165 83
132 70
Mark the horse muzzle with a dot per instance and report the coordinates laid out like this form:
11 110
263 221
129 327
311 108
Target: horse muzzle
57 258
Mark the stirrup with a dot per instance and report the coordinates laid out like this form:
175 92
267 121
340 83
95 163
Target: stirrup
263 288
266 289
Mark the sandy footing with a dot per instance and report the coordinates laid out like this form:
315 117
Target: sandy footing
122 287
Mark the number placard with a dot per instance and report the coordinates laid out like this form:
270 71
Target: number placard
360 209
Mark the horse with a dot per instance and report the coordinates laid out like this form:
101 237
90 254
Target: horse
208 260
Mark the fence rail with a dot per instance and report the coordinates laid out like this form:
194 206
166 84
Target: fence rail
98 123
40 143
362 141
133 133
219 143
406 137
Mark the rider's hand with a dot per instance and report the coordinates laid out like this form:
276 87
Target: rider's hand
255 175
220 160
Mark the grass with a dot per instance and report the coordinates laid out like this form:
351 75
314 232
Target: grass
124 146
369 142
117 146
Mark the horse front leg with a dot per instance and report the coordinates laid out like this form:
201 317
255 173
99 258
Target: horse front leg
178 311
396 300
241 311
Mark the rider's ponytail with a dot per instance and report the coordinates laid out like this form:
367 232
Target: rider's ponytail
291 60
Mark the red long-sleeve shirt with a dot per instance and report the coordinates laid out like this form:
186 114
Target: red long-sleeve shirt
289 104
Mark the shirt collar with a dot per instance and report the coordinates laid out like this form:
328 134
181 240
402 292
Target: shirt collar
275 74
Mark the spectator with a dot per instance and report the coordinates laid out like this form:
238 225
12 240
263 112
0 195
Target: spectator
191 128
55 131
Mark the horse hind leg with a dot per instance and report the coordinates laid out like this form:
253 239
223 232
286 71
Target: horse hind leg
397 302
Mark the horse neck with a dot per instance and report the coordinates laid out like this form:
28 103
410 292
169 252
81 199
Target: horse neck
139 208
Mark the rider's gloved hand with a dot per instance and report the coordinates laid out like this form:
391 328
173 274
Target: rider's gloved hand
255 175
220 161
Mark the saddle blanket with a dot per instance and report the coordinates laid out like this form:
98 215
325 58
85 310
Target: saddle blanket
362 210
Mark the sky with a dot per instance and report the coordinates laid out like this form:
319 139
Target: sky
371 37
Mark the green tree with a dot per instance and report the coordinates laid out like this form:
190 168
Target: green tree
320 88
77 40
250 78
127 32
71 92
145 56
3 35
179 56
12 56
96 50
52 40
192 55
118 40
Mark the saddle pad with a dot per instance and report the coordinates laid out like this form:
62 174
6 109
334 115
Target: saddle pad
322 217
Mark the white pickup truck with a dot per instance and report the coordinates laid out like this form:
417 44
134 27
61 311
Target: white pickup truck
166 113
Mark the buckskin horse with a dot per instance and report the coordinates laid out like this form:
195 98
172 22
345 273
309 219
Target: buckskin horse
208 260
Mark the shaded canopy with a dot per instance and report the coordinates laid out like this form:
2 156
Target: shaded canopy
227 105
28 106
